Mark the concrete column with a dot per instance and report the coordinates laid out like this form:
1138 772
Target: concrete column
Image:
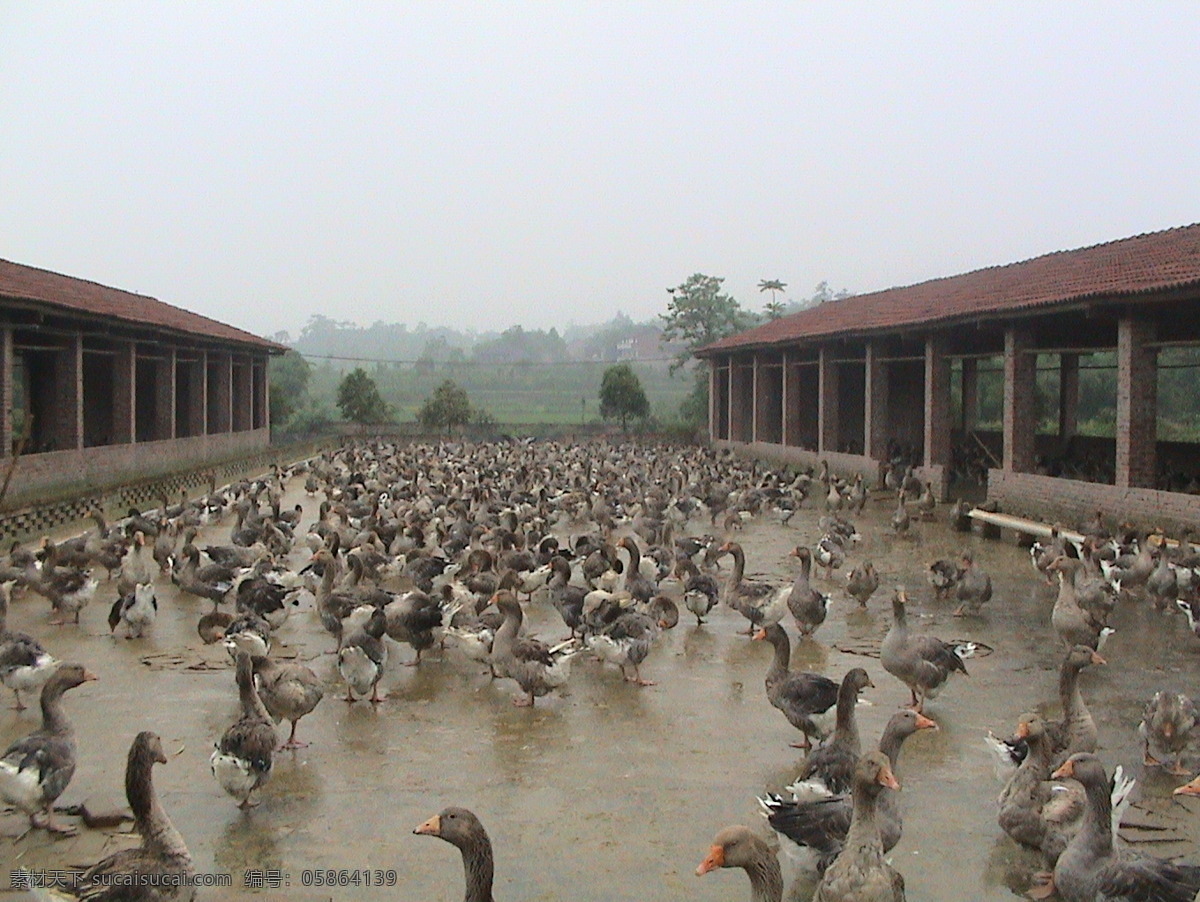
1020 377
1068 397
787 395
1137 404
124 402
937 403
875 405
738 413
262 395
68 395
970 394
827 401
6 391
164 396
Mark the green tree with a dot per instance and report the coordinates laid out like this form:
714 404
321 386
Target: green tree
359 400
775 309
447 407
621 395
698 314
289 374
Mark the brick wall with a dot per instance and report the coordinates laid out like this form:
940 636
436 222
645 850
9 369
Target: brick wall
1069 500
57 474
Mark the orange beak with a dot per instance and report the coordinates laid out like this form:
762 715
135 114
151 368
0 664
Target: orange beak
88 675
1022 730
924 723
432 827
1066 770
713 860
1188 789
761 634
1096 659
887 778
1168 729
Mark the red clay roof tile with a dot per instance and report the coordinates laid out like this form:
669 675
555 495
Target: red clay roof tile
28 283
1144 263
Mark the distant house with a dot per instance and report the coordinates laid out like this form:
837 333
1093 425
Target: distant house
101 385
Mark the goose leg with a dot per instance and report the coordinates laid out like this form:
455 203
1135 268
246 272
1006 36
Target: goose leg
522 702
375 699
1043 885
292 741
20 705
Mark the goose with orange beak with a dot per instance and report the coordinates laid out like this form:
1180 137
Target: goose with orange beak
741 847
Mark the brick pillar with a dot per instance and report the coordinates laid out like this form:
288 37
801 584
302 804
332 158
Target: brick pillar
124 388
1020 378
68 396
712 398
827 401
756 397
788 424
198 397
739 416
875 405
264 388
937 403
1137 404
223 404
164 396
1068 398
6 391
970 394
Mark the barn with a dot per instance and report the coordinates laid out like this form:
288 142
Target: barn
102 386
1057 386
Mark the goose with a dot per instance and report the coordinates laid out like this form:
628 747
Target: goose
462 829
926 502
69 589
700 590
1043 554
944 575
830 767
802 697
136 609
241 760
901 519
1074 624
741 847
249 633
161 865
566 598
820 825
1090 868
862 582
24 664
830 553
626 640
35 770
860 873
760 603
213 581
288 690
808 606
922 663
137 566
1076 732
536 667
362 657
974 586
1166 730
413 617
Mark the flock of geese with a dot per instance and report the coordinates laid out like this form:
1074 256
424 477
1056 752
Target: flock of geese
420 546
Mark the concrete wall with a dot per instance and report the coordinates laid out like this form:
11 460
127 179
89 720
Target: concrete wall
60 473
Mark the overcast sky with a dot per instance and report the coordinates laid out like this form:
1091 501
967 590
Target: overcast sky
482 165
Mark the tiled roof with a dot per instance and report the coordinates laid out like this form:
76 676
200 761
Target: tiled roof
1132 266
27 283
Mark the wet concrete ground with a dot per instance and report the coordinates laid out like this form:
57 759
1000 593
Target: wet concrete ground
607 791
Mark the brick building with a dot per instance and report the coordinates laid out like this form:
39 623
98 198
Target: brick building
861 380
106 386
